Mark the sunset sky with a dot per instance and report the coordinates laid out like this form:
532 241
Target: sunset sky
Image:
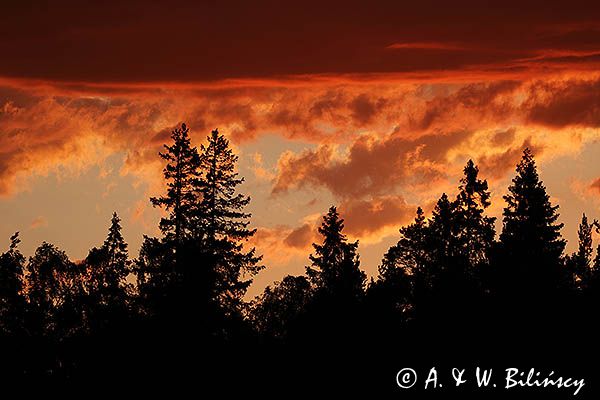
372 106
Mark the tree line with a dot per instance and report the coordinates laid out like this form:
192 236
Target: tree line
450 281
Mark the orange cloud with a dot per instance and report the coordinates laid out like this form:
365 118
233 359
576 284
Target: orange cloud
38 222
371 217
595 185
370 166
407 130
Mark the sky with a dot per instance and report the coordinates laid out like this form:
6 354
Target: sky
371 106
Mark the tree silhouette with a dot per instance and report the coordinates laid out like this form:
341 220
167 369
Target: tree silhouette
155 272
12 301
335 271
181 174
223 225
579 264
162 263
441 240
531 241
402 274
446 287
280 306
434 271
107 271
475 233
54 292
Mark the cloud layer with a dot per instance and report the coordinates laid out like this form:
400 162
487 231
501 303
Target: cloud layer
373 107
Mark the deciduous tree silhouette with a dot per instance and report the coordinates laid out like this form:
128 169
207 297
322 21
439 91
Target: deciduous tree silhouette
54 289
56 308
280 307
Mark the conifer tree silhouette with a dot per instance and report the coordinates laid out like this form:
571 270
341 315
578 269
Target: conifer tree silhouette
12 301
335 265
435 267
333 315
475 232
181 174
107 271
402 274
579 264
442 236
531 241
163 263
222 224
410 253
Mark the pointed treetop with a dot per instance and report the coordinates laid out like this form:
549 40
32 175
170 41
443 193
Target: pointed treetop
473 192
14 241
420 215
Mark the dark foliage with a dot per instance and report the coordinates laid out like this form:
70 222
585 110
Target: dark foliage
446 292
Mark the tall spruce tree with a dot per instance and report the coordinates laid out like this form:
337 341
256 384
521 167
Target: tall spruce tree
475 231
107 271
409 254
531 242
402 273
163 263
12 301
594 278
222 223
579 264
181 174
442 238
335 265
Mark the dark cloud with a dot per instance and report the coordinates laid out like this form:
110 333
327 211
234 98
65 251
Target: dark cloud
300 237
497 165
595 185
372 166
477 98
562 103
365 109
369 216
202 41
504 137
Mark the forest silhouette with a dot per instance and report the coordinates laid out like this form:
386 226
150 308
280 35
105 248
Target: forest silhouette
450 292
